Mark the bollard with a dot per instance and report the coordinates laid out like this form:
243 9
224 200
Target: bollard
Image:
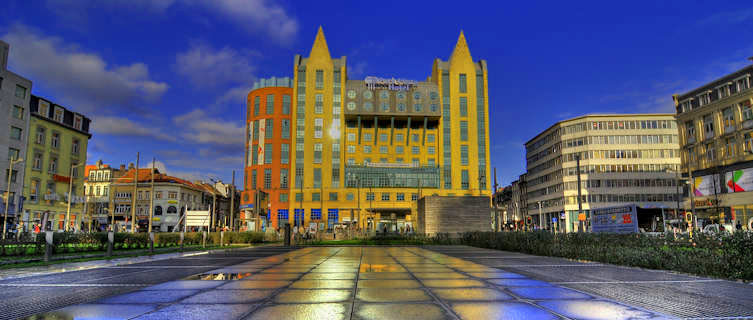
48 245
151 242
222 238
182 235
287 235
110 242
204 239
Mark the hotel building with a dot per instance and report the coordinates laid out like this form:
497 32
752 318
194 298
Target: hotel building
716 135
624 159
366 150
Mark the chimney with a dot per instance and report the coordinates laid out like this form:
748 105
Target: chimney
122 167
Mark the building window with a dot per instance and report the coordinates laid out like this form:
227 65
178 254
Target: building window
708 126
316 196
319 79
286 104
430 138
383 149
285 129
55 140
464 155
16 133
53 168
431 162
13 153
400 196
283 178
729 148
253 179
351 149
75 146
366 149
268 152
283 197
269 129
415 150
416 107
415 138
729 118
284 153
368 106
270 104
399 137
267 178
20 92
463 83
383 137
12 175
464 180
414 196
748 143
256 106
385 196
430 150
37 164
399 149
710 152
34 190
463 130
369 196
351 137
58 115
18 112
319 103
333 196
747 113
367 137
298 197
40 135
318 125
351 161
463 106
317 153
77 122
317 177
386 106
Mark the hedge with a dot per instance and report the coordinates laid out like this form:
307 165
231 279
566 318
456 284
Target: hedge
716 255
66 242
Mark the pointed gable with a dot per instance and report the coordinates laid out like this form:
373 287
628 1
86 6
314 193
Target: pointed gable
461 55
319 51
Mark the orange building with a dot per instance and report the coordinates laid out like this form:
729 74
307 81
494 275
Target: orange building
268 147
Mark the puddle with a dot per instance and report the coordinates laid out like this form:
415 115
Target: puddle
219 276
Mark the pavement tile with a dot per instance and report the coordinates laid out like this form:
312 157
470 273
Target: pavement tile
520 283
313 296
187 284
474 294
496 275
149 296
392 295
388 284
255 284
98 311
453 283
413 311
439 275
330 276
229 296
323 284
329 311
508 310
200 311
380 267
548 293
274 276
384 275
595 309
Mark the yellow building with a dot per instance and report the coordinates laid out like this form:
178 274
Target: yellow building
56 154
366 150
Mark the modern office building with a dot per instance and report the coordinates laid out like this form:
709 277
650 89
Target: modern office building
367 150
267 166
630 158
15 93
58 140
716 126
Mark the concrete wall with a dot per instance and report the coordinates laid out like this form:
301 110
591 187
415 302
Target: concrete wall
437 214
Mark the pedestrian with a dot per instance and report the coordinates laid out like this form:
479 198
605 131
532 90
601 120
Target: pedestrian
739 226
36 228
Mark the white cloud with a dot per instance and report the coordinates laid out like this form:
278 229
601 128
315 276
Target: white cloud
199 127
118 126
205 66
159 165
83 78
251 15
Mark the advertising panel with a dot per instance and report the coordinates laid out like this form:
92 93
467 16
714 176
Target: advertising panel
705 185
262 133
621 219
197 218
739 180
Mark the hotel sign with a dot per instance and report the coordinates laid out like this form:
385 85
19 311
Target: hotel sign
390 84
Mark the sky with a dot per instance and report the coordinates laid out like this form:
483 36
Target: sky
168 78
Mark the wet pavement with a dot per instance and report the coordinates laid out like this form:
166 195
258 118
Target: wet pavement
356 283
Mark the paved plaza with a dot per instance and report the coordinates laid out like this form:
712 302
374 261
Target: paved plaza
445 282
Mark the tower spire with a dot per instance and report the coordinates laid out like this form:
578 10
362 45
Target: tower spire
319 49
461 53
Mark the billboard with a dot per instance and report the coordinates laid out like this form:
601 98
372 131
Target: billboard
197 218
739 180
620 219
705 185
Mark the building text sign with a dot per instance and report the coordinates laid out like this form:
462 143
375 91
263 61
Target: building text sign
621 219
390 84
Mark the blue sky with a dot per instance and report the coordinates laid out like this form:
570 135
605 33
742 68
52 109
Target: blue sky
169 78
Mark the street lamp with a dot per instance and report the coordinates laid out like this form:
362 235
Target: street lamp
70 196
7 194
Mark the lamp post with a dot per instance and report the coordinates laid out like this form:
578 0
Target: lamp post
7 194
70 196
